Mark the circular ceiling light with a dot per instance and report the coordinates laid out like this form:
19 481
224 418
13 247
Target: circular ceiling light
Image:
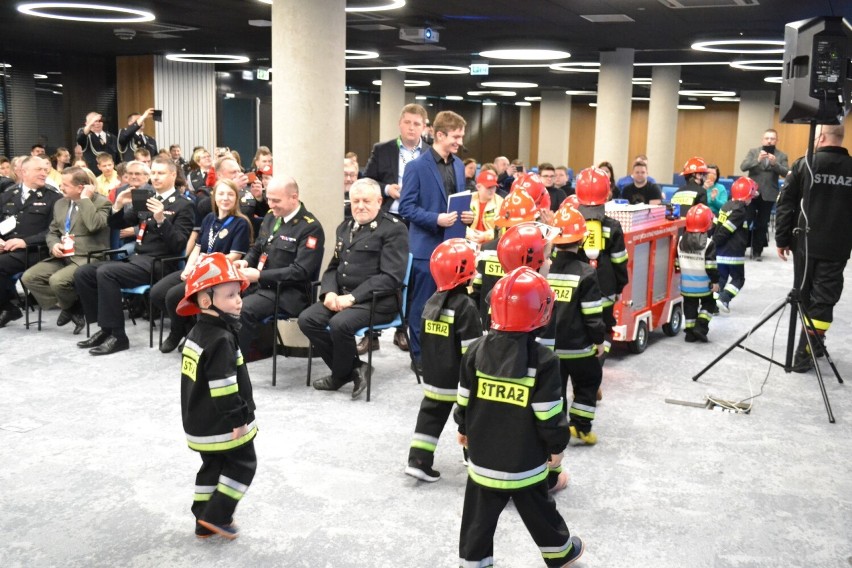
581 93
360 54
523 104
778 79
691 107
495 93
759 65
705 93
84 12
350 92
389 5
593 105
525 54
39 76
421 98
586 67
509 84
489 104
207 58
532 99
640 98
748 46
454 98
641 80
407 83
434 69
726 99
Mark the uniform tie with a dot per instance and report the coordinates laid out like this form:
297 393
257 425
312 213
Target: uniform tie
102 136
277 225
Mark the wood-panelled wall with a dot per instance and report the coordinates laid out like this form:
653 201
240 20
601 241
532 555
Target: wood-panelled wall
135 87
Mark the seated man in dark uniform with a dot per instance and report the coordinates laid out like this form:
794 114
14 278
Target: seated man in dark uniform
370 254
163 231
25 214
288 249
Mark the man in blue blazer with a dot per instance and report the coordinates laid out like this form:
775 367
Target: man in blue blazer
427 183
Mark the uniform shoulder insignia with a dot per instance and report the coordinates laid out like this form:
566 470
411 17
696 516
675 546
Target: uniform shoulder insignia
308 219
390 217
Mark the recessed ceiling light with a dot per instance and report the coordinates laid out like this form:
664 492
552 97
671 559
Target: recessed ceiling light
705 93
593 105
66 11
523 103
533 99
350 92
39 76
752 46
360 54
640 98
407 83
759 65
489 104
509 84
607 18
421 98
681 63
641 80
454 98
434 69
581 93
575 67
691 107
525 54
6 65
495 93
389 5
774 79
207 58
726 99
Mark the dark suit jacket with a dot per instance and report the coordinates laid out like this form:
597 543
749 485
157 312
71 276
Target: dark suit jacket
383 166
765 175
92 148
423 199
89 226
129 141
33 217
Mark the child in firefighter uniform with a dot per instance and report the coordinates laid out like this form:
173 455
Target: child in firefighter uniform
517 207
216 395
512 420
693 191
576 331
604 245
450 323
732 238
699 277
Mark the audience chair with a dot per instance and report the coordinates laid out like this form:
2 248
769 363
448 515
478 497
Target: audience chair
41 253
279 316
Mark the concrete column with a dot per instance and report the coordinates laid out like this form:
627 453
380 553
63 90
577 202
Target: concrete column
756 114
662 123
525 134
392 97
554 127
612 119
308 112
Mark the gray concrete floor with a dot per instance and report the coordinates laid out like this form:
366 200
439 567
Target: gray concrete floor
96 471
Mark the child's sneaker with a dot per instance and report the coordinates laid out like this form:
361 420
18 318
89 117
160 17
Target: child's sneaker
202 531
577 550
421 471
226 531
588 438
723 305
700 335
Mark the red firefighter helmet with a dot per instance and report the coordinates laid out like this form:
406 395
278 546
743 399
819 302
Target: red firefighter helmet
516 208
571 200
521 301
592 187
453 262
571 224
212 270
744 189
532 184
699 219
524 245
694 165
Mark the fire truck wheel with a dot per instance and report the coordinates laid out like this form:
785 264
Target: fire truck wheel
639 344
675 322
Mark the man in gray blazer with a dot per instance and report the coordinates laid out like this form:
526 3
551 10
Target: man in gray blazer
764 165
79 226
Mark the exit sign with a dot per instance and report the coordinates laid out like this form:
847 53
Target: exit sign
263 74
479 69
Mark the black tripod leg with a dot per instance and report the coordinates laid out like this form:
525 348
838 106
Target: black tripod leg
808 326
742 338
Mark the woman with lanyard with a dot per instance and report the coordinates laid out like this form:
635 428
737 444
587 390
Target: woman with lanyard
225 230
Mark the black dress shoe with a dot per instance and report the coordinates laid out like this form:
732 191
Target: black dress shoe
10 314
366 344
170 343
360 377
327 384
400 340
64 318
99 337
79 323
110 346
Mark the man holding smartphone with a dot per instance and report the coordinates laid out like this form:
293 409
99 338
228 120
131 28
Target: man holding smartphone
764 165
